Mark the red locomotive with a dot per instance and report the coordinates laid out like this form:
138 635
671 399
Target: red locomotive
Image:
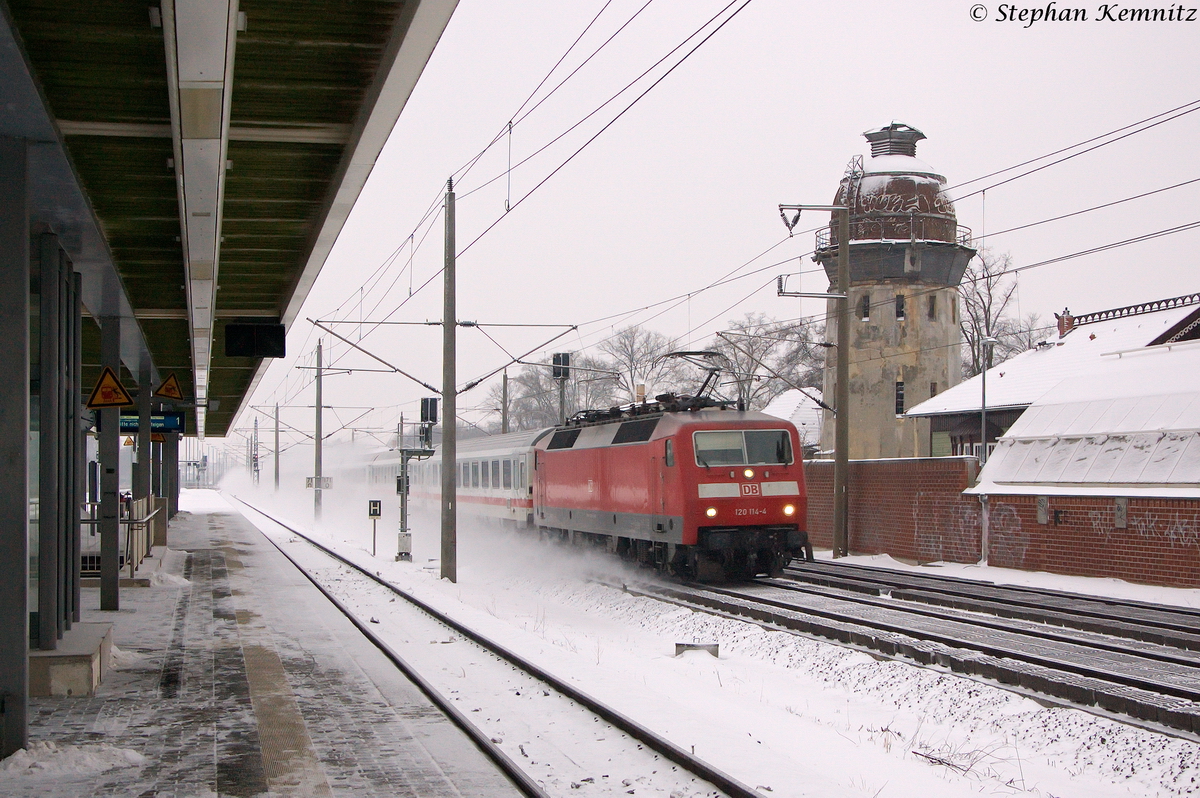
683 485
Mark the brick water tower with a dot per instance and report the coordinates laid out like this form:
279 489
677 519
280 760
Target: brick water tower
907 257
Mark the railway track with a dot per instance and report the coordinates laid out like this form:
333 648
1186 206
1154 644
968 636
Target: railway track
637 736
1151 682
1136 620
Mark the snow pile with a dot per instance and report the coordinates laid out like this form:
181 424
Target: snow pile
44 758
126 660
163 579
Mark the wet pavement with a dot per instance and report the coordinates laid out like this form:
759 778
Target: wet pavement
242 682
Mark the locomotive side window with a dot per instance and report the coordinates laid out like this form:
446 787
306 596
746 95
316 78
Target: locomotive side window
743 447
669 452
564 439
635 431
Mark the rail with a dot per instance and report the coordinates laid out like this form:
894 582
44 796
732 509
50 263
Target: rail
655 742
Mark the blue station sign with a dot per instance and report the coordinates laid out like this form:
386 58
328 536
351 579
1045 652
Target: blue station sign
159 422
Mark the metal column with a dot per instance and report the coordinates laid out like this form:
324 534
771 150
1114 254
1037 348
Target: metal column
110 447
841 422
449 541
317 439
141 471
49 444
14 446
156 467
79 441
171 477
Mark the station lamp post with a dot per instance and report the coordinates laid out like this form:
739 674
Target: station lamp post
841 402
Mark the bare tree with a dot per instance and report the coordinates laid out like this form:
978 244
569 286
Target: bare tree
987 296
636 354
533 394
769 357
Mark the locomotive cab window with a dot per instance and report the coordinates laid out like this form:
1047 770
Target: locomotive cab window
743 447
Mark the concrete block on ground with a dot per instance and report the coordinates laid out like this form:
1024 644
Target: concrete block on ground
77 666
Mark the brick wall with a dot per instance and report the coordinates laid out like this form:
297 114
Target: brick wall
1160 544
914 509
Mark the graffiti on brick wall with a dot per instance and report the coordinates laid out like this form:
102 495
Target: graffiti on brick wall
1008 542
1170 528
945 531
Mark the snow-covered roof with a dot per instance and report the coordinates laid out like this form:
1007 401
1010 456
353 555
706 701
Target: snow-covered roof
801 410
899 165
1026 378
1131 427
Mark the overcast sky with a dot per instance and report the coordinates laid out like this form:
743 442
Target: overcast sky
683 189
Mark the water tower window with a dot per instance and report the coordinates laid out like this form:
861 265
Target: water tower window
864 307
899 306
933 306
899 397
932 389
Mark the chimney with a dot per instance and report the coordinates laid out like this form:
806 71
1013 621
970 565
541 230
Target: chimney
895 139
1066 322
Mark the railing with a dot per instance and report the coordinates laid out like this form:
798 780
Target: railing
139 532
1136 310
138 529
898 227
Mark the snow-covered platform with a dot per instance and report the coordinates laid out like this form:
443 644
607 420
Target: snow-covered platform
232 675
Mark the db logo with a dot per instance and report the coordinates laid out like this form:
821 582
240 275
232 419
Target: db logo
750 489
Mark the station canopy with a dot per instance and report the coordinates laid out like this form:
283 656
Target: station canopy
198 159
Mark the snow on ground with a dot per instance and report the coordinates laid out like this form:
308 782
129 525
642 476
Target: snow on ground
1111 588
776 710
43 758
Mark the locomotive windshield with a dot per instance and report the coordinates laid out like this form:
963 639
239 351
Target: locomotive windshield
743 447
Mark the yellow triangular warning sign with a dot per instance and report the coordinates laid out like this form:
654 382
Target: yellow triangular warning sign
157 437
170 388
109 392
129 440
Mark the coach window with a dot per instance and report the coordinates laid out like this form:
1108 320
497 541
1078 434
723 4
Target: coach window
486 471
474 475
508 474
495 473
669 452
521 482
466 476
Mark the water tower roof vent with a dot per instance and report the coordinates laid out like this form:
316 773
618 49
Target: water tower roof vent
895 139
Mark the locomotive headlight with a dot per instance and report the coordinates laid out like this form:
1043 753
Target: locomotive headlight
711 512
789 509
748 473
